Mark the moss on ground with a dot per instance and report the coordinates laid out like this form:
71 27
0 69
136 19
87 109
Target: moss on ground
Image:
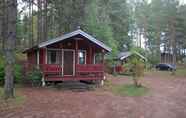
125 89
129 90
10 103
181 72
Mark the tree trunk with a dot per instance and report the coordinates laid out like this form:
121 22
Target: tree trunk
45 29
1 23
158 51
4 23
173 40
9 47
39 27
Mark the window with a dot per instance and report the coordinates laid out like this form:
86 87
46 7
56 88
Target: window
53 57
82 57
97 58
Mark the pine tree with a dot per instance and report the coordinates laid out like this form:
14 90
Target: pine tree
9 46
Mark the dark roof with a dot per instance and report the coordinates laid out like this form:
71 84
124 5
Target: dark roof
123 55
72 34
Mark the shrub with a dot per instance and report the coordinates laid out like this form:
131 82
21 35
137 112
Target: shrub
17 73
1 74
35 76
127 69
137 70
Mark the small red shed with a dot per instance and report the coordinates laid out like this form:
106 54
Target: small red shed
73 56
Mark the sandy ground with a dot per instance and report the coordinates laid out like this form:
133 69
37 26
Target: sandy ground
166 99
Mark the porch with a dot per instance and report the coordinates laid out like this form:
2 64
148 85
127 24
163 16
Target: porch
53 72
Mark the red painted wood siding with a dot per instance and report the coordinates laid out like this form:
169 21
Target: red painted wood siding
42 56
82 45
31 57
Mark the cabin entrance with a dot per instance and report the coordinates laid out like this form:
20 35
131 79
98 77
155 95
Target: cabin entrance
68 62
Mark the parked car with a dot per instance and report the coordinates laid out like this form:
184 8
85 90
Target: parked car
169 67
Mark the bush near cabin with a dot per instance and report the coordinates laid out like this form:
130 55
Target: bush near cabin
137 68
35 76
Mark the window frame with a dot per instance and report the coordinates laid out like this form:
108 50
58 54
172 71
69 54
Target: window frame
84 57
95 57
57 60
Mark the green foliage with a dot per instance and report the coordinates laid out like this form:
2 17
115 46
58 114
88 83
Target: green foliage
100 26
35 76
127 69
1 92
118 23
137 69
181 72
125 89
2 74
17 71
2 64
139 50
129 90
11 103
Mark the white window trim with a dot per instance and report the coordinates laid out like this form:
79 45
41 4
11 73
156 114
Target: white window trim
38 57
48 49
85 56
46 56
95 57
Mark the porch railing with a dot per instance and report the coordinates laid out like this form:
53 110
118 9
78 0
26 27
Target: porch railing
95 71
51 70
90 70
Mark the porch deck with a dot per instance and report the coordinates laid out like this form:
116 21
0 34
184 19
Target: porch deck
82 72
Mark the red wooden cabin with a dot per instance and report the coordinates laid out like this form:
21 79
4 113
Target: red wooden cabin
73 56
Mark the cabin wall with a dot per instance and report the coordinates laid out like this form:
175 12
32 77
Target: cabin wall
31 57
42 56
83 44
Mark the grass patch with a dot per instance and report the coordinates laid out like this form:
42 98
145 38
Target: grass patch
181 72
126 89
10 103
129 90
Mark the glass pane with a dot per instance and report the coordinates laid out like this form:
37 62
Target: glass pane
98 58
81 56
53 56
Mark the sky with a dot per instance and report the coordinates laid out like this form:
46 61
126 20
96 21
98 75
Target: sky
181 1
21 5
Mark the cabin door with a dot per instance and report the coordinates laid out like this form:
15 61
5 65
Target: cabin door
68 62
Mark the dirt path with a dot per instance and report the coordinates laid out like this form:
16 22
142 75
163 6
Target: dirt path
167 99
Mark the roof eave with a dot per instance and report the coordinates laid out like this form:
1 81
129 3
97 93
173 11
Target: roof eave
30 49
44 44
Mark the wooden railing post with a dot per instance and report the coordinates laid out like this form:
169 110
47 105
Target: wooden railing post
76 56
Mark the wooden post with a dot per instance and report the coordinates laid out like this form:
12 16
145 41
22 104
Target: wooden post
90 54
103 53
76 56
103 61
